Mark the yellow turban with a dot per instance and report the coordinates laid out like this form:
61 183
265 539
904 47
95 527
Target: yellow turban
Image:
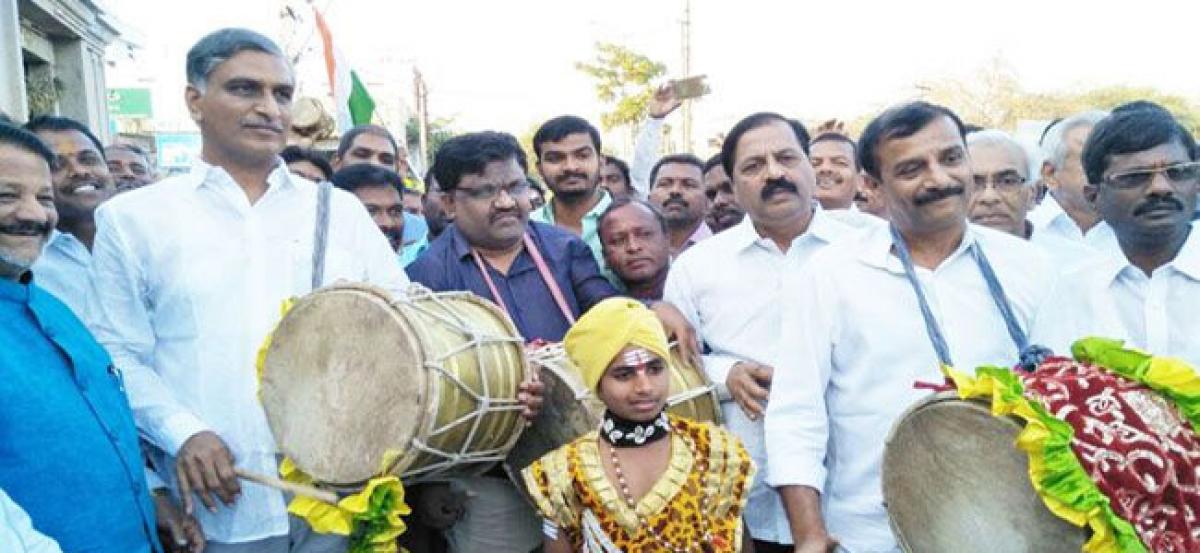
606 329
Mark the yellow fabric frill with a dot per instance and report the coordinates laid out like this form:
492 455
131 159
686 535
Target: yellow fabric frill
1057 476
372 517
260 360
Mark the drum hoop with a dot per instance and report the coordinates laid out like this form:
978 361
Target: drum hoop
927 401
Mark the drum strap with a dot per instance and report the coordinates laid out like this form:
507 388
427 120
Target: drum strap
1026 352
321 233
543 270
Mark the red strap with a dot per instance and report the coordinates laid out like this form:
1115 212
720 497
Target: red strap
549 278
543 270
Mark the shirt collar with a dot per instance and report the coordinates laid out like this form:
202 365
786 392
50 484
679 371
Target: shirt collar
822 227
878 249
702 231
16 291
546 212
462 248
66 243
1187 261
204 173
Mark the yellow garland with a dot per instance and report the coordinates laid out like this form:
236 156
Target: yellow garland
339 519
260 360
1035 439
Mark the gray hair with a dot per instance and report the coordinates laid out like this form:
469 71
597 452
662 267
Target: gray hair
992 137
218 46
1054 146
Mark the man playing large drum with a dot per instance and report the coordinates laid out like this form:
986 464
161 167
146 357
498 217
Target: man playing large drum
542 276
188 277
939 291
646 480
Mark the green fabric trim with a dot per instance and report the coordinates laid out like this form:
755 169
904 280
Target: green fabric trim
1062 477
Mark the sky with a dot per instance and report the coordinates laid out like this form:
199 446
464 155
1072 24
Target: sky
510 65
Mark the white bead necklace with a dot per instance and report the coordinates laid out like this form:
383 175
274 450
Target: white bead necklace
692 545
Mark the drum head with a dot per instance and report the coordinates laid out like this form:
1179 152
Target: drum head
568 412
342 383
953 480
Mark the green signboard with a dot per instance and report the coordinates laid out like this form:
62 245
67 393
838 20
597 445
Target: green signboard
129 102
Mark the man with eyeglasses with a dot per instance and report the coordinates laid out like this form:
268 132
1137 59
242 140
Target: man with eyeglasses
1143 176
1002 194
495 251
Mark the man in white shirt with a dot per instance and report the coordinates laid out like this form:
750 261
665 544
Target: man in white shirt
879 313
1065 212
1143 170
81 183
188 277
730 286
1004 193
835 159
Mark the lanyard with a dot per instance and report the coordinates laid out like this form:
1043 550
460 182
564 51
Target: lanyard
1029 356
543 270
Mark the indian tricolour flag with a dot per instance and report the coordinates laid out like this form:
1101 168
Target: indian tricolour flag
354 105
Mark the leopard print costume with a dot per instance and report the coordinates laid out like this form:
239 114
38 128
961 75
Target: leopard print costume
570 481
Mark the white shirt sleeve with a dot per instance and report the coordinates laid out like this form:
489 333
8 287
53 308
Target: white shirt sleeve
645 154
797 424
678 291
17 534
119 317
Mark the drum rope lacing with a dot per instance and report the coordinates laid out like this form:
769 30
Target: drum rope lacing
486 404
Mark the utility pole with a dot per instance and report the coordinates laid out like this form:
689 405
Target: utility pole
686 32
421 96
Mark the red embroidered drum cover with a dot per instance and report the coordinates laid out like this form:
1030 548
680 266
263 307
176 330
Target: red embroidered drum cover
1135 446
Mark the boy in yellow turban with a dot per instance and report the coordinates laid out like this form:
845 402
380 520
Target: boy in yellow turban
645 480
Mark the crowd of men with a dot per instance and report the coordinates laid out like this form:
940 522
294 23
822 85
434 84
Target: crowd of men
813 278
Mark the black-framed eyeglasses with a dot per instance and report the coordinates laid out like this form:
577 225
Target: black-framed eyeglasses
489 192
1186 172
1004 181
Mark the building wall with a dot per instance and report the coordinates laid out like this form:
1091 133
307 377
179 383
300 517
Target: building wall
64 40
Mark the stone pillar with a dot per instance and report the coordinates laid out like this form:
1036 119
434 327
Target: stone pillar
80 67
12 85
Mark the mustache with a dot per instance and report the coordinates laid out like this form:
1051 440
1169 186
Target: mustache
1158 202
497 214
937 194
675 200
777 186
572 174
26 228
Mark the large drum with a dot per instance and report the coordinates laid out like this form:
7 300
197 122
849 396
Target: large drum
953 481
358 383
570 410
